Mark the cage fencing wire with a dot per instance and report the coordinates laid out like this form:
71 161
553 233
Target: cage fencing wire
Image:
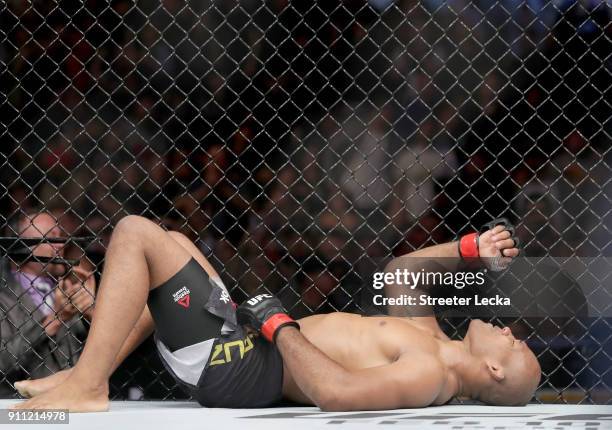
301 145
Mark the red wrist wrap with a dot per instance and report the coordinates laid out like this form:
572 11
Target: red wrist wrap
468 246
273 323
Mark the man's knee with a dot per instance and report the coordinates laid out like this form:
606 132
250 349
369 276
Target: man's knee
180 238
133 225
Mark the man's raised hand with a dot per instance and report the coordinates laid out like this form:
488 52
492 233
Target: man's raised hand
498 245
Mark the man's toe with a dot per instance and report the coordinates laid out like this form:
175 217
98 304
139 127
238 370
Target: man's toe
22 388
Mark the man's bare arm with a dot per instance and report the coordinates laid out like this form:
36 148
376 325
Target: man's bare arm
491 243
446 255
403 384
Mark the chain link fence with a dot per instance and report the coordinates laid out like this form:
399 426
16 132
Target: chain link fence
301 145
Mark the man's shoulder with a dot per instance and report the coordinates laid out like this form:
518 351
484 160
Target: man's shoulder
424 361
418 379
426 369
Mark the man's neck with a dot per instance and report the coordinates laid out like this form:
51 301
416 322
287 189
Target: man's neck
462 367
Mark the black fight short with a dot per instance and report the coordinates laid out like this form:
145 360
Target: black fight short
193 314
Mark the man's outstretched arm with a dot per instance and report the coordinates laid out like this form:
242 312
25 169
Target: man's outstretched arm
491 243
496 241
402 384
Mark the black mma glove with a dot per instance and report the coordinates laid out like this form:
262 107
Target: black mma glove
469 246
266 314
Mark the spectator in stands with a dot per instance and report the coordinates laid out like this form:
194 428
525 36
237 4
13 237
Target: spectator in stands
42 325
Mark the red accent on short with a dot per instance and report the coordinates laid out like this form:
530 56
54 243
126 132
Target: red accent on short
468 246
273 323
184 301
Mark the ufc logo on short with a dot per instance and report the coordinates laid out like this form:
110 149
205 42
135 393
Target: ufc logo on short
253 301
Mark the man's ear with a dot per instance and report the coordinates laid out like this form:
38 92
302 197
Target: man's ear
496 370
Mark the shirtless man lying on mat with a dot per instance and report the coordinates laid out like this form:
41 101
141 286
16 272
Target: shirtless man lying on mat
156 280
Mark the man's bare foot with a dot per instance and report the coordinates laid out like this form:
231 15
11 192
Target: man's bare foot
34 387
72 395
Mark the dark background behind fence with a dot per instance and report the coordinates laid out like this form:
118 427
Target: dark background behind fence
301 145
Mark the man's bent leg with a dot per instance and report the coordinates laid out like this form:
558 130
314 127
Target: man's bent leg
190 247
140 256
142 329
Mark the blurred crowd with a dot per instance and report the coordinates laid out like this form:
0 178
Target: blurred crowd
302 145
